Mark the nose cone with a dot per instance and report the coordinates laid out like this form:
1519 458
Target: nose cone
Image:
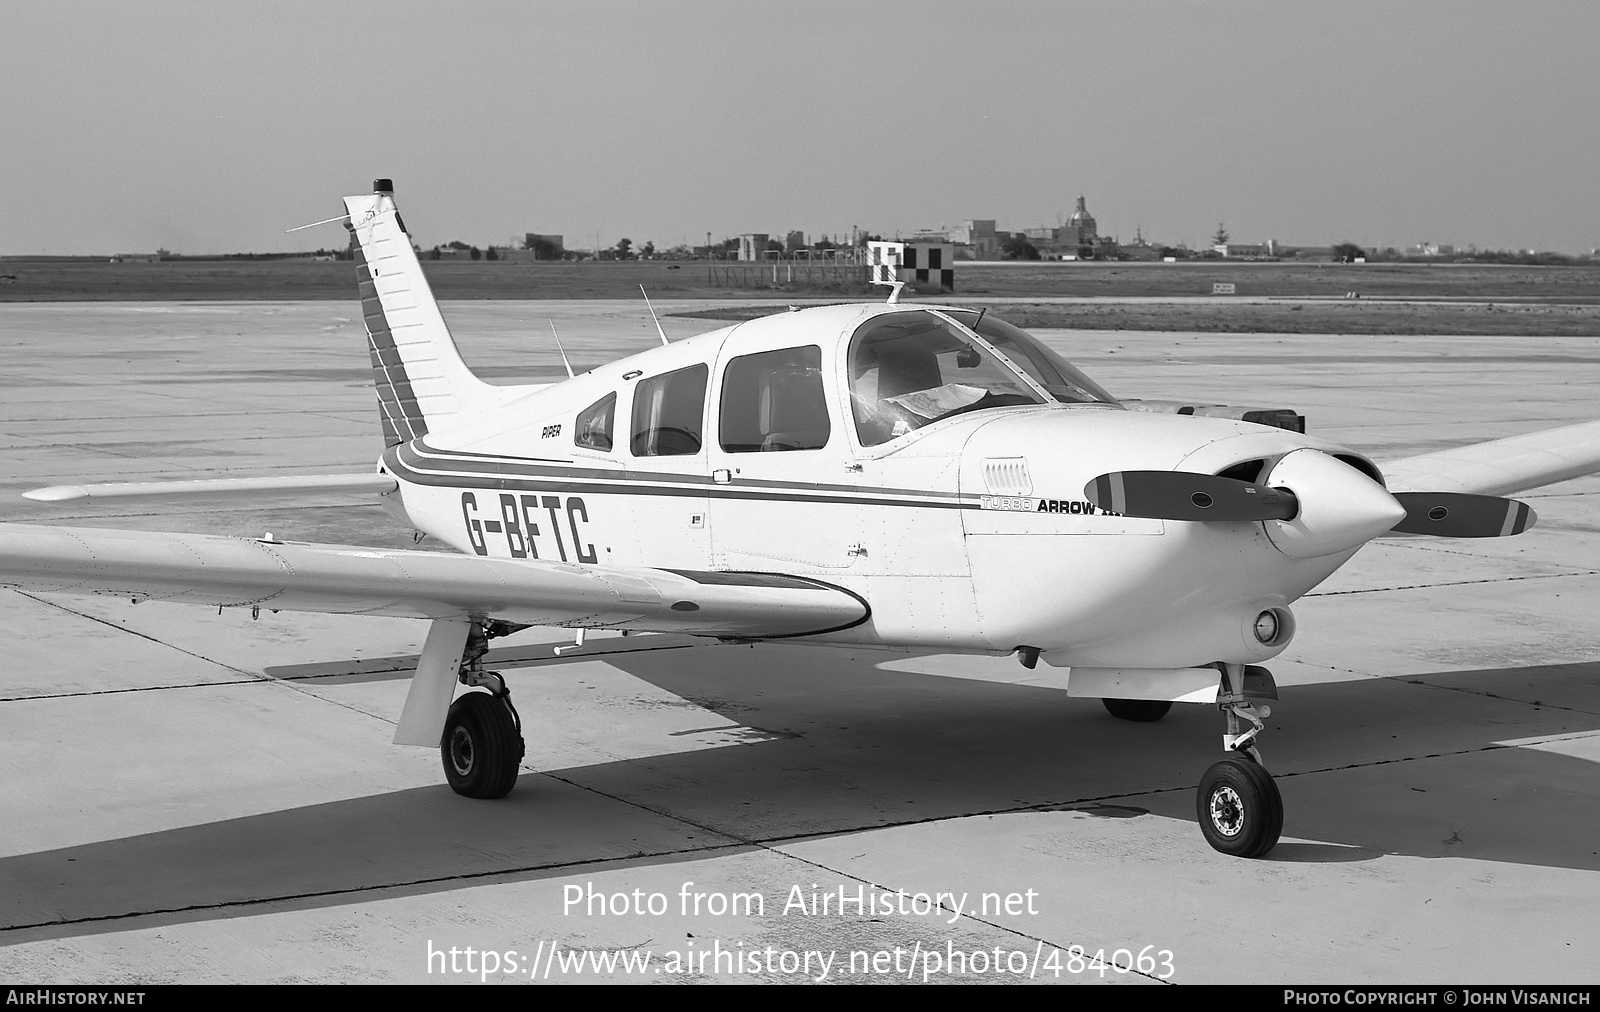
1340 508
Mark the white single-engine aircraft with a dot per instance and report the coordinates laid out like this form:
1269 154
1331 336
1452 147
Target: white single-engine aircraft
885 475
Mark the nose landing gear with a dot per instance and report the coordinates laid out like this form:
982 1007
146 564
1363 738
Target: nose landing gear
1240 810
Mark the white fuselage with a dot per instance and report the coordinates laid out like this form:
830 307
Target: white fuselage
971 533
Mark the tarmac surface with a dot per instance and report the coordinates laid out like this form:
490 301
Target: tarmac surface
193 797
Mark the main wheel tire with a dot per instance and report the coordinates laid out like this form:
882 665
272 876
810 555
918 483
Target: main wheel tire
1240 810
481 746
1142 710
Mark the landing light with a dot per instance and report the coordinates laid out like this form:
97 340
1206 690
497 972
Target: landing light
1267 626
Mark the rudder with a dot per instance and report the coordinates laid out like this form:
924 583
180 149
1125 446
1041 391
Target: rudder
422 382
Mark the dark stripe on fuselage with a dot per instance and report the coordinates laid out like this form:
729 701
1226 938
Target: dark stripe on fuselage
503 476
397 403
422 457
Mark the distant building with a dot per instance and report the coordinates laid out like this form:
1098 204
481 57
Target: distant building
1080 229
753 246
1301 252
976 238
1244 250
794 241
1078 238
548 247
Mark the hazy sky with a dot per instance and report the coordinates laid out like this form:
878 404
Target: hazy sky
211 127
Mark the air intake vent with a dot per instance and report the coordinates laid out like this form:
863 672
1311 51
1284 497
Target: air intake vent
1007 476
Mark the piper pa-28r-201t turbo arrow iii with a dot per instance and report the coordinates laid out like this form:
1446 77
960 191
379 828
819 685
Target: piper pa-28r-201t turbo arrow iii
916 477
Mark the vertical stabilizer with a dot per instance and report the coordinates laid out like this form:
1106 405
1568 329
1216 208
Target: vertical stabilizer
422 382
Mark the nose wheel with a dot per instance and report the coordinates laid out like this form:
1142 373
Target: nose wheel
1238 804
1240 810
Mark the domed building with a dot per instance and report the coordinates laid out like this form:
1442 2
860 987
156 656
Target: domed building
1080 228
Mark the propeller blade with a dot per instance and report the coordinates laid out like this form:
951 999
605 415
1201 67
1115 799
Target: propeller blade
1459 515
1186 495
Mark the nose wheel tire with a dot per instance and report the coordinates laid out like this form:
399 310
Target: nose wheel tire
481 746
1142 710
1240 810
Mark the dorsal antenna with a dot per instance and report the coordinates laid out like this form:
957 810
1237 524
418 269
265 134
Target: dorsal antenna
653 315
562 350
325 221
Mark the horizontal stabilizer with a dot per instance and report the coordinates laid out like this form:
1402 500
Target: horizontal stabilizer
286 485
337 579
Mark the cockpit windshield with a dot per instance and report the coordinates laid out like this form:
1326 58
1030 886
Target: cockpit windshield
1065 382
909 369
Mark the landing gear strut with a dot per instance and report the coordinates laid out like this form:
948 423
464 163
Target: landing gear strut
482 742
1240 810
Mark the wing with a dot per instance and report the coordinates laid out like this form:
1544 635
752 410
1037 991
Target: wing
340 579
1503 465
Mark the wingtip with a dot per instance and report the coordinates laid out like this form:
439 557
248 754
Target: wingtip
56 493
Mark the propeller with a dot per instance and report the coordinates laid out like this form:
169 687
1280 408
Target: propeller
1188 495
1459 515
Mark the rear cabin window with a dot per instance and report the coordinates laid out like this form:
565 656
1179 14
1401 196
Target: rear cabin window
592 430
773 400
668 412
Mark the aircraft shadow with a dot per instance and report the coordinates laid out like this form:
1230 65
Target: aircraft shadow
1367 768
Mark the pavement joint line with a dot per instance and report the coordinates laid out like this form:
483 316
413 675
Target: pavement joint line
1453 583
772 845
263 678
1418 680
1425 544
351 890
248 676
144 636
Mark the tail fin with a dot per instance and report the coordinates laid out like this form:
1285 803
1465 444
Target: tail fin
422 382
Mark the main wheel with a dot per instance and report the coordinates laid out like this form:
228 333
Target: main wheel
481 746
1142 710
1241 812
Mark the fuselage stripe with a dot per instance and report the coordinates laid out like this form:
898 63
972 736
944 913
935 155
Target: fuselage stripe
632 483
446 460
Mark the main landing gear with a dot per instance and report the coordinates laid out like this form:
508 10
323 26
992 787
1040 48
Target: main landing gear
482 741
1240 810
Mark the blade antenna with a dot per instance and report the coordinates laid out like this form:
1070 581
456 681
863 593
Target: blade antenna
653 315
342 217
559 348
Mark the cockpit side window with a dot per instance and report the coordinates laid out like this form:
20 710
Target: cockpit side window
592 430
910 369
773 400
668 413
